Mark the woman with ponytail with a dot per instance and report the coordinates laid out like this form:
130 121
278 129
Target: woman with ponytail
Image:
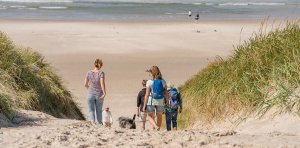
95 83
156 92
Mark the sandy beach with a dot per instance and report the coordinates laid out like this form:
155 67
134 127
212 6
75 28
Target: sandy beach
180 49
36 129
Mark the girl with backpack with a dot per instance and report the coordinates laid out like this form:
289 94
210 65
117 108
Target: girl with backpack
174 108
156 91
95 83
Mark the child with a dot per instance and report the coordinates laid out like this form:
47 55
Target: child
172 110
107 117
140 104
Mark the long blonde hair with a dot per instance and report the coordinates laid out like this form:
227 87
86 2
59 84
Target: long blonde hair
155 72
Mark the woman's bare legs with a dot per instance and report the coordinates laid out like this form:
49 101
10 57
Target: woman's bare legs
152 121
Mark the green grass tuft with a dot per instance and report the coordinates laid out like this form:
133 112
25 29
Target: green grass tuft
30 83
263 73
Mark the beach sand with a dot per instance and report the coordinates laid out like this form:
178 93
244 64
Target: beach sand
180 49
39 130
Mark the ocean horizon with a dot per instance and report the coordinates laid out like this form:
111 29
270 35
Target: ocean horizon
124 10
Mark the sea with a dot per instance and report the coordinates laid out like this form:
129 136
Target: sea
145 10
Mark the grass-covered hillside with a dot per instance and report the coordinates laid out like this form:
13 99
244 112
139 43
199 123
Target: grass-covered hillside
263 73
27 82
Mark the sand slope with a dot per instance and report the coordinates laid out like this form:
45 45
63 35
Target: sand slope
47 131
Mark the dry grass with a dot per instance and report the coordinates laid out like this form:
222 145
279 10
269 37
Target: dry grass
29 83
263 72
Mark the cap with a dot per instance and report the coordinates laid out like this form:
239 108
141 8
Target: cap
170 85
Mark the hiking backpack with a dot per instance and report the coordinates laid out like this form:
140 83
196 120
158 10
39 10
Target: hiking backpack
157 90
174 99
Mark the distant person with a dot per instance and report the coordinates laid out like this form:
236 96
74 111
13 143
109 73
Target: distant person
107 119
190 13
197 17
172 111
140 104
95 83
156 91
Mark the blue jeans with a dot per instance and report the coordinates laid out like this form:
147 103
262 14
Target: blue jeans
171 116
95 107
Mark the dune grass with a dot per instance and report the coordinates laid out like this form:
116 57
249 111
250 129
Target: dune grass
27 82
263 73
6 106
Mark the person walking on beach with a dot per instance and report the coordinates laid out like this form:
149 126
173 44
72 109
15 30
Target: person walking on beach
156 91
95 83
197 17
190 13
140 104
172 111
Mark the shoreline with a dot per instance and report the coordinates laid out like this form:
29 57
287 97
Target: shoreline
229 21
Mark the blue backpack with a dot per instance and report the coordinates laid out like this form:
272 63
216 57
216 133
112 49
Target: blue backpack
174 98
157 90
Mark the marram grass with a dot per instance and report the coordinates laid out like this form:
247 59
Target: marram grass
263 73
27 82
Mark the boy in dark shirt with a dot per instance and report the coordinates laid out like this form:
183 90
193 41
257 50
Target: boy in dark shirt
140 104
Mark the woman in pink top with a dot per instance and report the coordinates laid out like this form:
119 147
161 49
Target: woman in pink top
95 83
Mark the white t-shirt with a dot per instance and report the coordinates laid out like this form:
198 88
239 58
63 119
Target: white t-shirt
159 102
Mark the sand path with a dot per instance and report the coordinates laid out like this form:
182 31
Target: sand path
48 131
